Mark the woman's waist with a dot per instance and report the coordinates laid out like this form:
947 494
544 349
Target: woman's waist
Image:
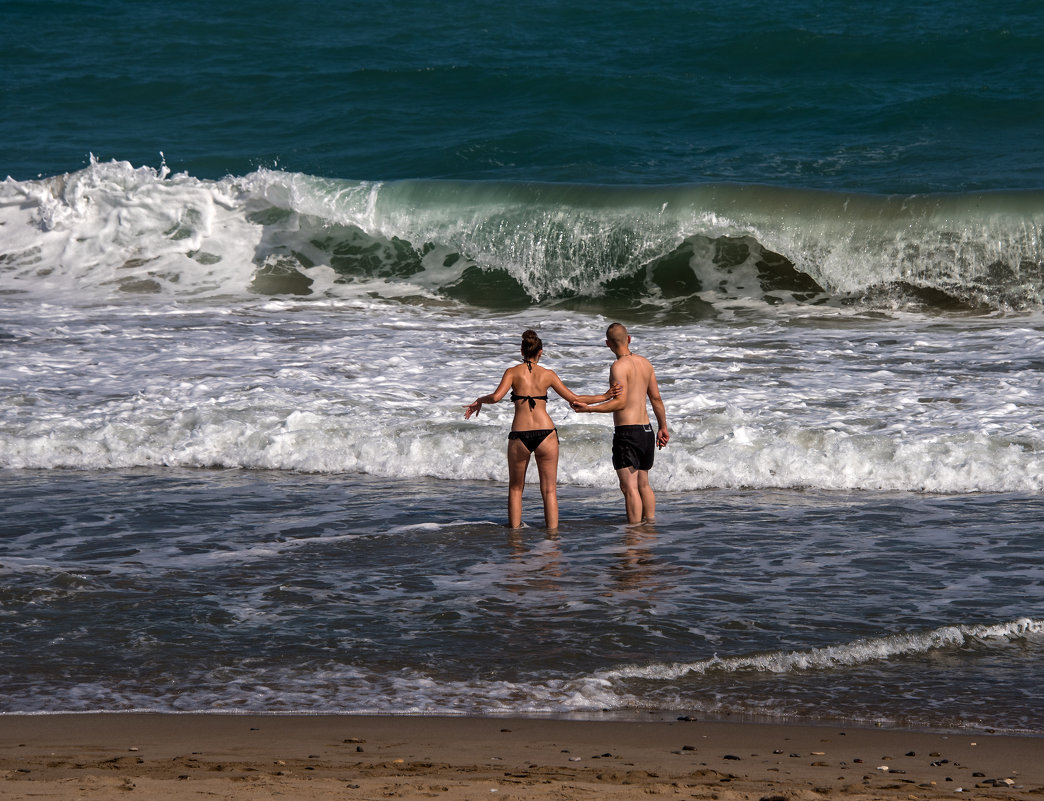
531 421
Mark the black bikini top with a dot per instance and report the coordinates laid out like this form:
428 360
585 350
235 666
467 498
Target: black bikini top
531 398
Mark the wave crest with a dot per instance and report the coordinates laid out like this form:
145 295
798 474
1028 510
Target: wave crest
683 250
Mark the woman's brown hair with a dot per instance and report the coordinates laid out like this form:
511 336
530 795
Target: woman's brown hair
531 344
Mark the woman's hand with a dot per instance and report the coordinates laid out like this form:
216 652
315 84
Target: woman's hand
472 408
614 391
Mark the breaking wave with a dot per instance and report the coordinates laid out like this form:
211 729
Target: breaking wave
113 229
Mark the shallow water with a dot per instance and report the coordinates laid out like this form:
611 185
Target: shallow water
184 590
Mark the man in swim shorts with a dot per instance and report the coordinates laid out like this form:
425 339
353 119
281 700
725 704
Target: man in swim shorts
634 443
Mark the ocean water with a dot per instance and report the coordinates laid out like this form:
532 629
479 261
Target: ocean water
254 262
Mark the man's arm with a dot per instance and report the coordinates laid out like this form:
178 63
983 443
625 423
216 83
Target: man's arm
662 435
573 398
613 404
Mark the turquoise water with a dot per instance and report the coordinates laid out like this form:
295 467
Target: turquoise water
897 97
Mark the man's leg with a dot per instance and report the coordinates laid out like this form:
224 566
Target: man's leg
632 497
647 495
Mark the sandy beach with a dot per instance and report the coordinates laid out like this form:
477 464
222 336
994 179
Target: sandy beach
96 756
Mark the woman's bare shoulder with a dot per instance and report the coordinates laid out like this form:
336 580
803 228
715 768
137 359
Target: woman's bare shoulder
547 376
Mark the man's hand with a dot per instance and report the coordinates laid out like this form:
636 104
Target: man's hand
579 407
662 436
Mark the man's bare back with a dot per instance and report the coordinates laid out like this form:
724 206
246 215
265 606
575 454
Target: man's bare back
634 373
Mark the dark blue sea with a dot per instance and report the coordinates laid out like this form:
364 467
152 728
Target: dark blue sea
255 258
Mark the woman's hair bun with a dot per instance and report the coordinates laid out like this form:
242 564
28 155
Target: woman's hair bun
531 344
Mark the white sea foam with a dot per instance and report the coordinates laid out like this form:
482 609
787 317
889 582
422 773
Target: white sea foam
278 388
126 393
859 652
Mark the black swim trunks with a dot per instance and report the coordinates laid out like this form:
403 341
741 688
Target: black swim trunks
634 446
532 438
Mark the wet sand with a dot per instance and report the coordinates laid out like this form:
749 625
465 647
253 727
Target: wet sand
102 756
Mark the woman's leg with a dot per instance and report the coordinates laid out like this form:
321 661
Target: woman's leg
547 465
518 461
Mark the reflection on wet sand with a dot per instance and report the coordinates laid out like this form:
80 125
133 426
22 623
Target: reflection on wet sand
637 565
535 567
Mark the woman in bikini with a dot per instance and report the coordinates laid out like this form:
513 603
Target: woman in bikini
532 431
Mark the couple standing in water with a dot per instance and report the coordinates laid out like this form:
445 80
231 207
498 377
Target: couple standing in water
632 380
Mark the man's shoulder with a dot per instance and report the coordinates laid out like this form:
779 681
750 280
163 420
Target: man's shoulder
632 361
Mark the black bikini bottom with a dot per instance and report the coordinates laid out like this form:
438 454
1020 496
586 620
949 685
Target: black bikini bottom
532 438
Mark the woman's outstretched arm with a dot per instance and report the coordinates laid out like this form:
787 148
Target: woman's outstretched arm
494 397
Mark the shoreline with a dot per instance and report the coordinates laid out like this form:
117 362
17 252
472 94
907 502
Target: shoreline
620 716
325 756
